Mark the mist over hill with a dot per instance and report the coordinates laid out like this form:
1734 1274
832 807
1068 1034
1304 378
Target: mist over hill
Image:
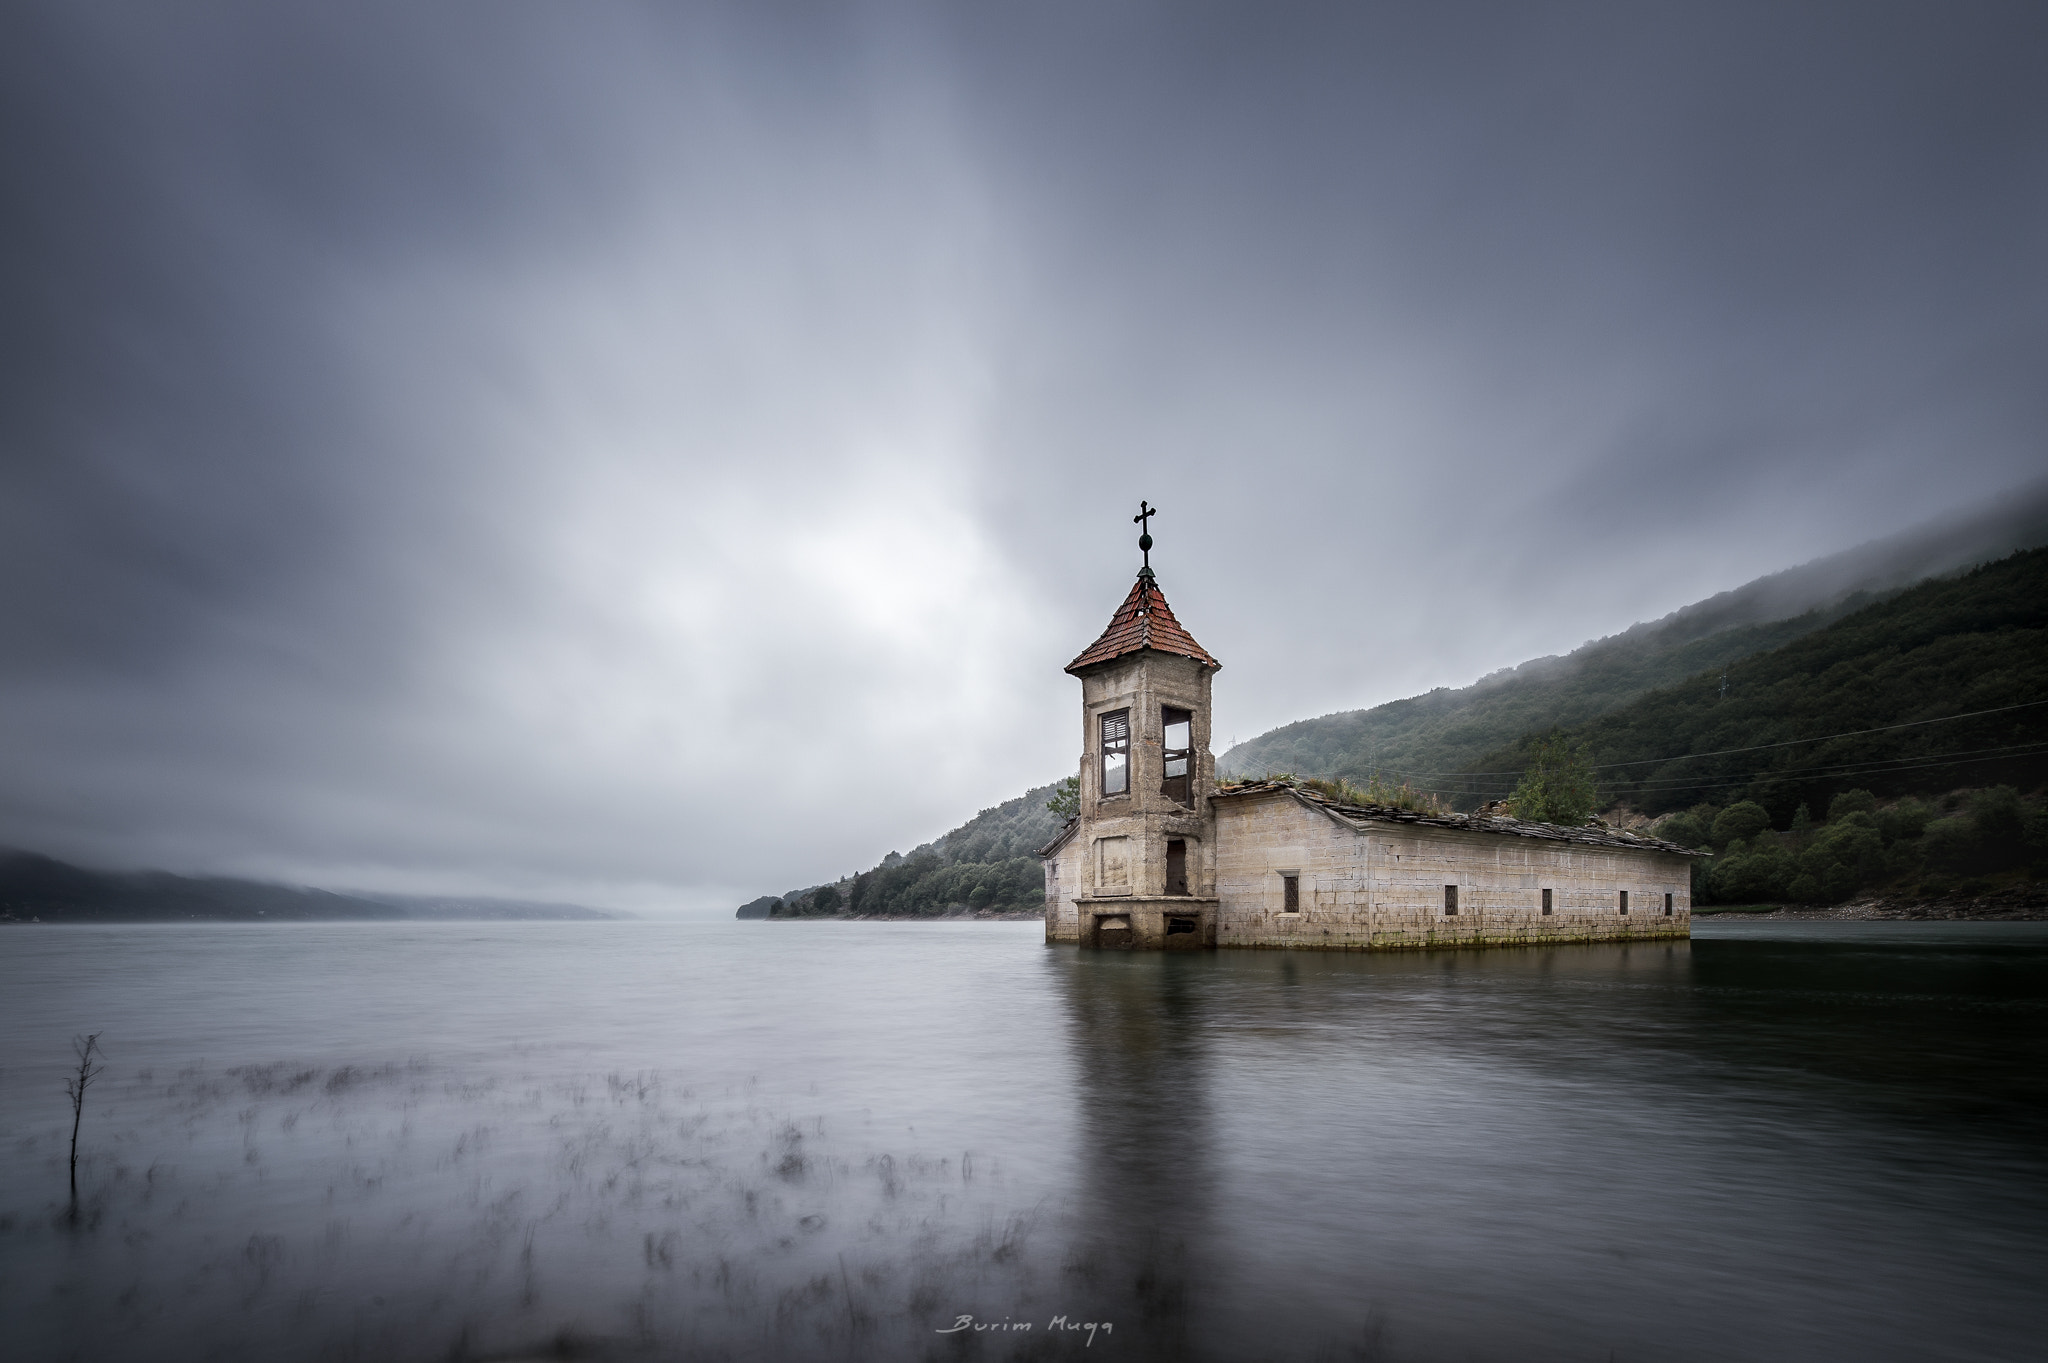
36 888
988 864
1423 739
1938 686
1902 626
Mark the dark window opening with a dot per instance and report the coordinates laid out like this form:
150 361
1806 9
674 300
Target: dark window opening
1667 906
1116 752
1176 925
1624 901
1546 901
1177 740
1450 901
1290 894
1176 866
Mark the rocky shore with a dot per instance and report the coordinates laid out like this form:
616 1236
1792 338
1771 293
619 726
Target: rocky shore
2021 904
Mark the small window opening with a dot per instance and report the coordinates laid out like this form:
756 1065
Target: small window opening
1176 866
1175 925
1116 752
1290 894
1450 901
1546 901
1176 728
1667 905
1624 901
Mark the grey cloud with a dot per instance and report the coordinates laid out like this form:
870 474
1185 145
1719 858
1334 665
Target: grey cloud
461 446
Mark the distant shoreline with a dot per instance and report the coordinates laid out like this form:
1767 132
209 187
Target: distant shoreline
2008 906
972 916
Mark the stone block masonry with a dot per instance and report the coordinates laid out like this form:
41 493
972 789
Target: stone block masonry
1362 885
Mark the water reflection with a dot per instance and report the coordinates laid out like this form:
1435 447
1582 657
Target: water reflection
1137 1039
1758 1148
829 1141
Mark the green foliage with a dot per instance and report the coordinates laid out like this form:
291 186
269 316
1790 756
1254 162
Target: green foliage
1423 737
1557 784
1998 815
1860 848
1754 874
1375 792
1951 844
925 885
1844 855
1903 820
1950 646
1744 819
1684 829
989 862
1066 798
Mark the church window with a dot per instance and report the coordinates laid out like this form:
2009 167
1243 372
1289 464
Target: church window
1290 894
1624 901
1176 727
1546 901
1116 752
1176 866
1667 905
1450 901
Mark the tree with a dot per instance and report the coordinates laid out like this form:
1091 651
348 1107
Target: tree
1066 798
1557 785
88 1070
1744 819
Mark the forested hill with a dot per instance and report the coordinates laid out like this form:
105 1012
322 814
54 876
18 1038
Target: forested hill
1420 739
39 889
1935 657
988 863
1423 737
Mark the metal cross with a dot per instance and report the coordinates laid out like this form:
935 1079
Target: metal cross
1146 511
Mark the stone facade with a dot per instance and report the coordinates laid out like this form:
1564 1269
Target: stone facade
1117 867
1167 862
1370 885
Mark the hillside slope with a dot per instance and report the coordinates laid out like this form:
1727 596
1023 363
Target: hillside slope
986 864
39 888
1421 738
1936 657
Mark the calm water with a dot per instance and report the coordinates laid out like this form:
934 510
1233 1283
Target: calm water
831 1141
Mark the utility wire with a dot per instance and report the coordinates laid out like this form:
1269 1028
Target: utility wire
1962 757
1759 747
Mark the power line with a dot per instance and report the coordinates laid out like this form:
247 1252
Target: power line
1852 733
1960 757
1759 747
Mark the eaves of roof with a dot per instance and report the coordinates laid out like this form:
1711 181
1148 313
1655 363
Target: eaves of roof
1360 818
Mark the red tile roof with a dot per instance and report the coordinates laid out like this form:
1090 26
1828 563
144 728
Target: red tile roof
1143 621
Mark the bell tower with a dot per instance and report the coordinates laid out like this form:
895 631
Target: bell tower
1136 867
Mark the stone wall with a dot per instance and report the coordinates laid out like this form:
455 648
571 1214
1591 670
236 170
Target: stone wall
1384 889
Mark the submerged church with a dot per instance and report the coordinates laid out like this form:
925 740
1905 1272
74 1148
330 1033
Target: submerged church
1160 857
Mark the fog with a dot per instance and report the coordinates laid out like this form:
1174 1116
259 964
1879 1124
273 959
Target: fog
651 457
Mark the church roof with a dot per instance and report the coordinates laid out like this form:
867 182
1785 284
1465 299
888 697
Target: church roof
1359 818
1143 621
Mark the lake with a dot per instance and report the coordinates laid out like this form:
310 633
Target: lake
836 1140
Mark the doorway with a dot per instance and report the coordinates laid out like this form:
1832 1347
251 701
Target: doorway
1176 866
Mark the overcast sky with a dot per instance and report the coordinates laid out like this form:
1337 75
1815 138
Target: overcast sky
654 455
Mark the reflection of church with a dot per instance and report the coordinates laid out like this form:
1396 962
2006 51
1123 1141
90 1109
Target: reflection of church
1160 857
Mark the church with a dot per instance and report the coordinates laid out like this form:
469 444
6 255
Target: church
1160 857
